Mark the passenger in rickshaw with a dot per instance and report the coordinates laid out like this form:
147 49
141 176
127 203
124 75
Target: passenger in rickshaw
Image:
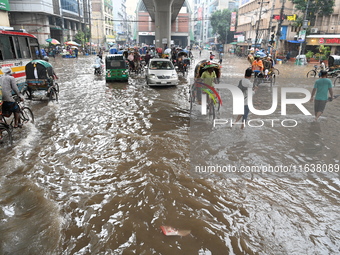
268 66
9 104
257 66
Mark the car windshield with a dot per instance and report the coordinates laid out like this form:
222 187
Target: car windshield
161 65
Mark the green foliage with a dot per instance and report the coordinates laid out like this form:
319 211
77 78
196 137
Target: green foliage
220 22
309 54
80 37
315 7
324 51
87 34
298 22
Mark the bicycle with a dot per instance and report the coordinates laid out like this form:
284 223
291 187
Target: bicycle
25 115
314 72
213 103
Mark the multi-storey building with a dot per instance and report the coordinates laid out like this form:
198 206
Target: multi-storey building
180 32
203 9
44 18
102 23
121 22
260 20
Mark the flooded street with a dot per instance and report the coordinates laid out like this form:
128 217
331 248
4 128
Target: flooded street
101 171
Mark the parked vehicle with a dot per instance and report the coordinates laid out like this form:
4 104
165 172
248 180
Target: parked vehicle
116 68
161 72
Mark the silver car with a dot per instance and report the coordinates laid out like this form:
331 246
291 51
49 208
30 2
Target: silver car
161 72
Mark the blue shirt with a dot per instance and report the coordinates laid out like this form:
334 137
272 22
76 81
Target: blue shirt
322 85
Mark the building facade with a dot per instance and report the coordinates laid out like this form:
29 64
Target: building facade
202 11
50 19
261 20
122 25
102 23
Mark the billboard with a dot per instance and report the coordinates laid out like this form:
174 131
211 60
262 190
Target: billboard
233 21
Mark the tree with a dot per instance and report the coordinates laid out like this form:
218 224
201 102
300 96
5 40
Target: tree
80 37
220 23
315 8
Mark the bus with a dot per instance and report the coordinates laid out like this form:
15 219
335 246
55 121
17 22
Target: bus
17 48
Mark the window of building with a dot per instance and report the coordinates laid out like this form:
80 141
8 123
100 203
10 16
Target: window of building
70 5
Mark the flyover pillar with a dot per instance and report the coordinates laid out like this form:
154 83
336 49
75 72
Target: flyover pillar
163 23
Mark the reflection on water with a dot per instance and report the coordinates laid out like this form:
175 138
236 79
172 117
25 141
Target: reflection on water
101 171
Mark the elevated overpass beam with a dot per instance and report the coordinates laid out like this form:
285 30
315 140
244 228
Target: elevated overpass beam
163 23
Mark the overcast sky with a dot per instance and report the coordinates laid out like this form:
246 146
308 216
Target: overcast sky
131 6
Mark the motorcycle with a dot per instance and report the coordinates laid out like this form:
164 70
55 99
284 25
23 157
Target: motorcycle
98 69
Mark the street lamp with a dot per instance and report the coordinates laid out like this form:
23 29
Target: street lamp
258 24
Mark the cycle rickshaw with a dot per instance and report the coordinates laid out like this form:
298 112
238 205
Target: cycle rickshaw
40 77
334 69
214 100
182 62
268 76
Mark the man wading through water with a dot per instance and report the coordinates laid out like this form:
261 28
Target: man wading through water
321 88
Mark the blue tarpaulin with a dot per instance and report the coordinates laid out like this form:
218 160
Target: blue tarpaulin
293 41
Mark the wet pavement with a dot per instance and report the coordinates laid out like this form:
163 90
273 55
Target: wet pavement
101 171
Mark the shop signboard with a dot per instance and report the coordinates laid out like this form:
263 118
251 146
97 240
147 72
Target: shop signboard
4 5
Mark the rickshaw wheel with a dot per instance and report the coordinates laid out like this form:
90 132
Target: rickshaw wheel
336 81
26 115
53 95
211 109
311 73
272 80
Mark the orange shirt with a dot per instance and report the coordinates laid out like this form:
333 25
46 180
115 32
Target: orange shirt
257 65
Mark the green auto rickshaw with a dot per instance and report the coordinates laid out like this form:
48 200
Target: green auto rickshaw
116 68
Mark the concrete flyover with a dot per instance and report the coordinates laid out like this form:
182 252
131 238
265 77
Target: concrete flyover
163 12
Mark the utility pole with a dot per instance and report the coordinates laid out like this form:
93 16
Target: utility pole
304 26
258 24
270 25
278 32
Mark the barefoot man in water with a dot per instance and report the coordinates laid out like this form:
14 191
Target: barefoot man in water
321 87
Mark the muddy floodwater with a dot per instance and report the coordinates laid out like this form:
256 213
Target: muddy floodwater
103 169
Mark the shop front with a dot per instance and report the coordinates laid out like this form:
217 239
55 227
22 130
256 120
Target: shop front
332 41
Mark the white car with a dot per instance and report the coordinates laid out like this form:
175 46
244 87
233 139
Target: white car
161 72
